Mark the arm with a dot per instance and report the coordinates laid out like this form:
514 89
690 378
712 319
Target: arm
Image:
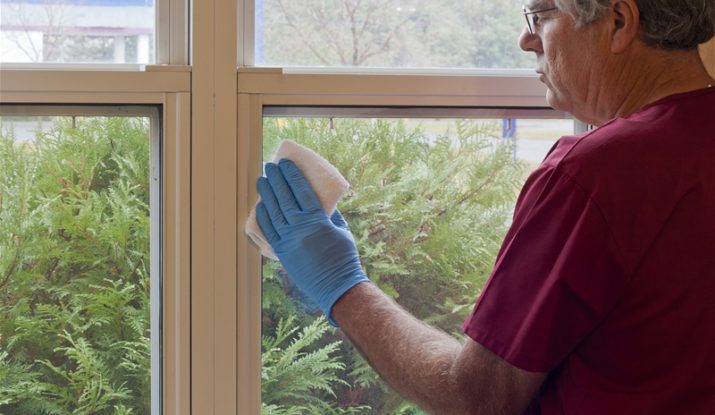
420 362
428 366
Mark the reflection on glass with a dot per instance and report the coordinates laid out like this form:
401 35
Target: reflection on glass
98 31
429 204
391 34
74 265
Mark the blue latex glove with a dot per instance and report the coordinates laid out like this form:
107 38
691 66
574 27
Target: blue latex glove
318 252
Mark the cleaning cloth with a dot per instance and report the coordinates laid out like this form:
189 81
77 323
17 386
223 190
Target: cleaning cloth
327 182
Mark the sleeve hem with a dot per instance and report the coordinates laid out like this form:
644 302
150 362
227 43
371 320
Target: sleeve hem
500 349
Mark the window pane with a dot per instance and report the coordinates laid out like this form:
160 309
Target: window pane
392 34
98 31
75 266
430 202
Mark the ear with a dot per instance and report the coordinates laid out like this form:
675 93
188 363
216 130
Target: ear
625 20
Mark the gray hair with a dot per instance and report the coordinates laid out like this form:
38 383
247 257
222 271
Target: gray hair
666 24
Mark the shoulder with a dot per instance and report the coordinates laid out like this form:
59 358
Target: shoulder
635 171
672 134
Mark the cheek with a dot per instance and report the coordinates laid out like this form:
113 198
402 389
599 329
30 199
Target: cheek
571 71
554 63
563 85
558 76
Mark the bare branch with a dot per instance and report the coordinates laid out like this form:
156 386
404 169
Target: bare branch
300 33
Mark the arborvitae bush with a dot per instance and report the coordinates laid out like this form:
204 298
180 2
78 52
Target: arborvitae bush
74 269
428 214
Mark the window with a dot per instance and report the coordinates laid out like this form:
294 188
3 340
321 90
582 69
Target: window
431 198
393 34
72 71
80 265
87 31
291 102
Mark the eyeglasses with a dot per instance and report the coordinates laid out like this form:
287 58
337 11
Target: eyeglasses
532 17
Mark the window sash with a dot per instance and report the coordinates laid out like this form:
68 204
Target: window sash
105 94
155 215
271 92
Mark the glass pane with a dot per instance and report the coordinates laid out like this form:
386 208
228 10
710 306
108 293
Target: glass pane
98 31
430 202
392 34
75 265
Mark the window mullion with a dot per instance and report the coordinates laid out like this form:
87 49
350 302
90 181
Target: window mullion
213 206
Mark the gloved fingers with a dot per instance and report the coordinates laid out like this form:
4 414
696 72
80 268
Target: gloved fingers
339 221
264 222
283 193
304 194
273 211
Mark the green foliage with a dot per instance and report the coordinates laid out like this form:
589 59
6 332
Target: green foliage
428 211
297 376
74 269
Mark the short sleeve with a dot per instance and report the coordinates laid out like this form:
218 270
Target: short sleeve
557 275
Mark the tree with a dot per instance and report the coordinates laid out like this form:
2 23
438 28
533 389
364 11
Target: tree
51 16
407 33
344 32
479 34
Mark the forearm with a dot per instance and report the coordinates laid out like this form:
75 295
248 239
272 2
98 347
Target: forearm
413 358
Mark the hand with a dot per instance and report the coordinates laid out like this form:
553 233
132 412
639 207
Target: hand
318 252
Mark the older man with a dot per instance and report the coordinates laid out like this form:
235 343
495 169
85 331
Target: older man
602 299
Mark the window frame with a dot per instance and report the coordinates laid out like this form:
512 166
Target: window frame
259 88
153 113
44 90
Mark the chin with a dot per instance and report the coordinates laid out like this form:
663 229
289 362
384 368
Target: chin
578 112
554 102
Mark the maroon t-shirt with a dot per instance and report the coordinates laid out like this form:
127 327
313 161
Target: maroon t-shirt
606 278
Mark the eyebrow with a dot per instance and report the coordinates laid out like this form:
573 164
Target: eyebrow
536 5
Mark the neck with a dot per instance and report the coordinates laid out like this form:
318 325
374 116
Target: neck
652 76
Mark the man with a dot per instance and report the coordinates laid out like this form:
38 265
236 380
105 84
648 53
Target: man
602 298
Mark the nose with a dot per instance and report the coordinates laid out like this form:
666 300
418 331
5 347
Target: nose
529 42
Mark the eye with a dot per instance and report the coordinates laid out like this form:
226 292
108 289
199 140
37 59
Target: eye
535 19
538 18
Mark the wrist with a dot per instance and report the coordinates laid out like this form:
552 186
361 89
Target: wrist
339 292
